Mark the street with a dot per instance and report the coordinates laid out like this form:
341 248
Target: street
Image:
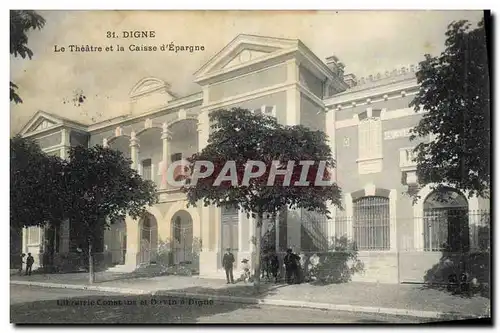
51 305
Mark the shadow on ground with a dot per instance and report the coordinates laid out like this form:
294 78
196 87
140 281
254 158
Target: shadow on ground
465 275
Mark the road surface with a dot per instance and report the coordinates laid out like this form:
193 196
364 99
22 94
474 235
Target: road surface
51 305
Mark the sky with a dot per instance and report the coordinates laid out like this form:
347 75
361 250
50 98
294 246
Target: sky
367 42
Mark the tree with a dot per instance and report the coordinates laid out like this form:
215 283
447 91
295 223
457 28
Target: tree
102 188
242 136
35 185
455 90
21 21
35 190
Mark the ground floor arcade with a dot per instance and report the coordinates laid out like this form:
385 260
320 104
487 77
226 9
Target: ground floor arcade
394 243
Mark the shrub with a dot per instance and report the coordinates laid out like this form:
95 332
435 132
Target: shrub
337 265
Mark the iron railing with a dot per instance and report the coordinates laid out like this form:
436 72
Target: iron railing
371 223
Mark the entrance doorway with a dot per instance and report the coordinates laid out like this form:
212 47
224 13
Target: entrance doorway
182 238
446 222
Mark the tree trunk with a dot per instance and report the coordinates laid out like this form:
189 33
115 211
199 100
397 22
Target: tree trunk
258 236
91 264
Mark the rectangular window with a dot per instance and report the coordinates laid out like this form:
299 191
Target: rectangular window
229 228
33 235
266 110
146 169
176 157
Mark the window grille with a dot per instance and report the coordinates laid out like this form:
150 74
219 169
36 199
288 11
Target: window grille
371 225
446 222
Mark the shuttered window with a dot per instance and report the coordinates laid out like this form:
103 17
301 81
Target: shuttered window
146 169
370 138
34 235
229 228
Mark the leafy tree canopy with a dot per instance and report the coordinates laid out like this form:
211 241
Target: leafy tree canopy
455 90
21 21
36 185
102 188
240 135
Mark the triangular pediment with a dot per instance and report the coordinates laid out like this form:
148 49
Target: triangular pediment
244 56
245 49
40 121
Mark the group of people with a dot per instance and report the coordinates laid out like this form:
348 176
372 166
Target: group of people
29 263
270 267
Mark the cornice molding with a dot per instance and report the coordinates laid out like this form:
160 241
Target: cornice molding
376 94
181 102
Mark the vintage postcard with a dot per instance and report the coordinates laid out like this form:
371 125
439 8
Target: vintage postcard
250 167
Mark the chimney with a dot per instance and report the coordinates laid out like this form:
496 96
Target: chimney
335 65
350 80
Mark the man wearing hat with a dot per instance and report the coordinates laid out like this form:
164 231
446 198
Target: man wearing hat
227 263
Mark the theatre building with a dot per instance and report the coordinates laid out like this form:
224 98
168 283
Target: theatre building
367 120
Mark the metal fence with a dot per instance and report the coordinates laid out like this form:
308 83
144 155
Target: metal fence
454 230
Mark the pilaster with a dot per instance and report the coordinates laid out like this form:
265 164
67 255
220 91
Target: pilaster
66 144
349 210
24 247
203 130
205 228
293 93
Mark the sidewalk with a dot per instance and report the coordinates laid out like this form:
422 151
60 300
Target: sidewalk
412 300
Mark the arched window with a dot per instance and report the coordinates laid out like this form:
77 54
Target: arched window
446 221
371 224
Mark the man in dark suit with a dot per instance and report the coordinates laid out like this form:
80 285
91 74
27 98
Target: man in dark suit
291 262
274 265
227 263
29 263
